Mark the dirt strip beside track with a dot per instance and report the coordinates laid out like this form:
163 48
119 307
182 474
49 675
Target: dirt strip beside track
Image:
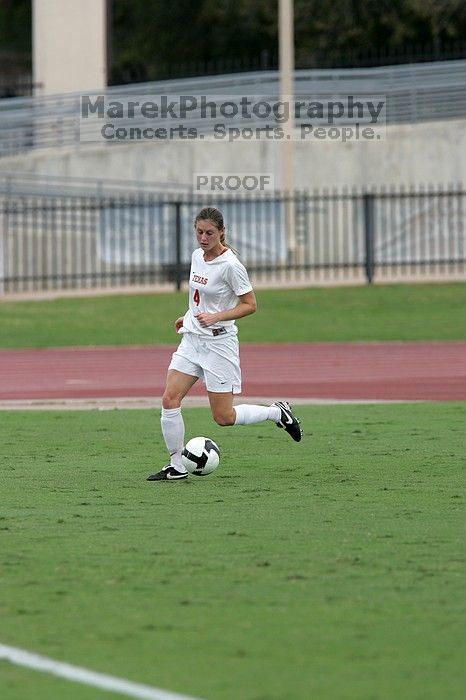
340 371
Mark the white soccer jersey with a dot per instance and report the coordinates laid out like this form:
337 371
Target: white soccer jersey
214 286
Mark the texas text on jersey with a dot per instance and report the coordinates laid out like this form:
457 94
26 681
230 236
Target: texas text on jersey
214 286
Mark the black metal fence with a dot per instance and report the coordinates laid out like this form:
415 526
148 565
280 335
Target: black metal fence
71 242
16 79
137 72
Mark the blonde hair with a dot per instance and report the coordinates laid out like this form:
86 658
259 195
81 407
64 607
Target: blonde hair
216 217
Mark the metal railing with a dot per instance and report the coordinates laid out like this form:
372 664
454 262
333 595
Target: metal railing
415 93
89 242
17 183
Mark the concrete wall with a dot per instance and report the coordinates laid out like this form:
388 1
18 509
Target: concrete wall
432 152
69 45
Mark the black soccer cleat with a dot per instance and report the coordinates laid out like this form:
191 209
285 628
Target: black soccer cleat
288 421
168 473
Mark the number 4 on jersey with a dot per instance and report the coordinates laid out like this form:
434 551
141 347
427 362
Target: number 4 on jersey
197 297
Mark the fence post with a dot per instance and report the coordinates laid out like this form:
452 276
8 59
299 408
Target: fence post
369 263
178 265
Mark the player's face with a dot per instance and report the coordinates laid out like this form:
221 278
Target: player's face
208 236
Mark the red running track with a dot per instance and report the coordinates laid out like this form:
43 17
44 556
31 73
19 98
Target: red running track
381 371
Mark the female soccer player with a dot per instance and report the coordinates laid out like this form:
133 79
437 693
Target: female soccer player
219 293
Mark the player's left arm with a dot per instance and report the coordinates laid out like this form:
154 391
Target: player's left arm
247 305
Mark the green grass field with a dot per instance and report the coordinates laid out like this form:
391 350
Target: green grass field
390 312
331 569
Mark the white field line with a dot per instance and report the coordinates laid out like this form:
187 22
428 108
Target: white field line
105 404
20 657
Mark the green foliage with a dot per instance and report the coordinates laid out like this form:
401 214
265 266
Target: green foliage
148 38
390 312
153 39
15 27
328 569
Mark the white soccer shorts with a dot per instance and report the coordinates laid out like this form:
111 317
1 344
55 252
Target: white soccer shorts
214 360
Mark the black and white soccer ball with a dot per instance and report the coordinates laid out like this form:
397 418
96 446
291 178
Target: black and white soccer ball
201 456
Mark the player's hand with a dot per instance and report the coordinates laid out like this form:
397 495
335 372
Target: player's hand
178 323
206 319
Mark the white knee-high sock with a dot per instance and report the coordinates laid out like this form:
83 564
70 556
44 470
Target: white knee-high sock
172 424
246 414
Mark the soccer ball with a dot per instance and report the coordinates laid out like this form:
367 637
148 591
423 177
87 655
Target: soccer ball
200 456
